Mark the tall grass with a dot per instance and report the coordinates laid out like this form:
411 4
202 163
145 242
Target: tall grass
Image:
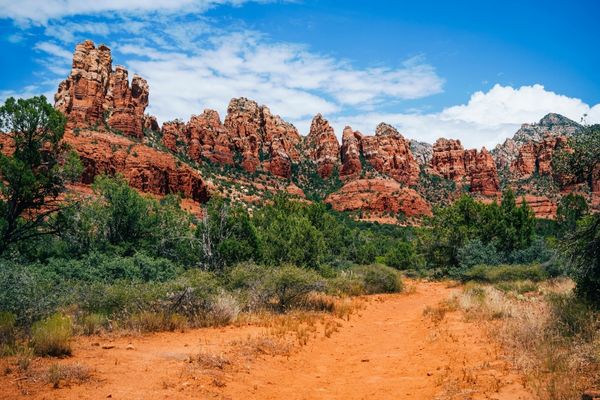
551 336
52 336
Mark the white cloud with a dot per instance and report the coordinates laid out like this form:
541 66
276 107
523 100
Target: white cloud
486 120
54 50
40 12
291 80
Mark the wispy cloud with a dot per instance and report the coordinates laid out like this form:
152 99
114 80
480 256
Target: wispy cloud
40 12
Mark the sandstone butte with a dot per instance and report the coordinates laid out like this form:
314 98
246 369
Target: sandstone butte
381 173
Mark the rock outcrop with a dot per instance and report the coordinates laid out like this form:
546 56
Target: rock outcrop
535 157
94 94
379 196
541 206
261 138
476 169
322 146
422 152
145 168
350 154
552 125
389 153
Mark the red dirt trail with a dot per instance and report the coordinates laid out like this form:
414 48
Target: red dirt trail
386 350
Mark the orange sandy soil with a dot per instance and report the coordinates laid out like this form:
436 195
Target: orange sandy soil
387 349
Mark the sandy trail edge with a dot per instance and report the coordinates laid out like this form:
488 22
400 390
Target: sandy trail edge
389 350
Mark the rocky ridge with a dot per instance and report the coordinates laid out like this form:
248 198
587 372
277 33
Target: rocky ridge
380 174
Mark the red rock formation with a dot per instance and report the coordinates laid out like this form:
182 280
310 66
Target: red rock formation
453 162
281 141
150 123
350 154
541 206
322 146
94 94
174 135
81 96
379 196
126 104
261 138
481 170
144 168
389 153
208 138
536 157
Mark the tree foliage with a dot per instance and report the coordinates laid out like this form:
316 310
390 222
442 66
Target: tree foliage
31 176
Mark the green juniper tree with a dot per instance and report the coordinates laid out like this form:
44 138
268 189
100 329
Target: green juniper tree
32 169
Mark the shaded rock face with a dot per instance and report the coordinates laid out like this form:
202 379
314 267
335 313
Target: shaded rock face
350 154
536 157
322 146
94 94
389 153
552 125
453 162
379 196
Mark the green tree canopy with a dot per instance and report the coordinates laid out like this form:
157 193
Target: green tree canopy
31 177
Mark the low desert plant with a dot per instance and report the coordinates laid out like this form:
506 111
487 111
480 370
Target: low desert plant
91 324
150 321
379 278
52 336
75 373
502 273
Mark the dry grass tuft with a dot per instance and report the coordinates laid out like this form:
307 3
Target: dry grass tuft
254 346
67 374
211 361
549 335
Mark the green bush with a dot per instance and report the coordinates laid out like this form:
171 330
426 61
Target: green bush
502 273
379 278
288 285
28 294
474 252
401 256
52 336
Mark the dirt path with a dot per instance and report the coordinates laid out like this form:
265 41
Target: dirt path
388 350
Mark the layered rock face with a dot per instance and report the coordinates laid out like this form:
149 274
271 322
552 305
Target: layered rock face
389 153
322 146
94 94
477 169
541 206
379 196
144 168
536 157
350 154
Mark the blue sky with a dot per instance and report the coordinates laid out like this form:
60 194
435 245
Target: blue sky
458 69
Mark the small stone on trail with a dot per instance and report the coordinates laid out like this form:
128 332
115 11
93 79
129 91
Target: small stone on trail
108 346
130 347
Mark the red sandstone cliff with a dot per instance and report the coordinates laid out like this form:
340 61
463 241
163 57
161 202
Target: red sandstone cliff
471 167
94 94
95 97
